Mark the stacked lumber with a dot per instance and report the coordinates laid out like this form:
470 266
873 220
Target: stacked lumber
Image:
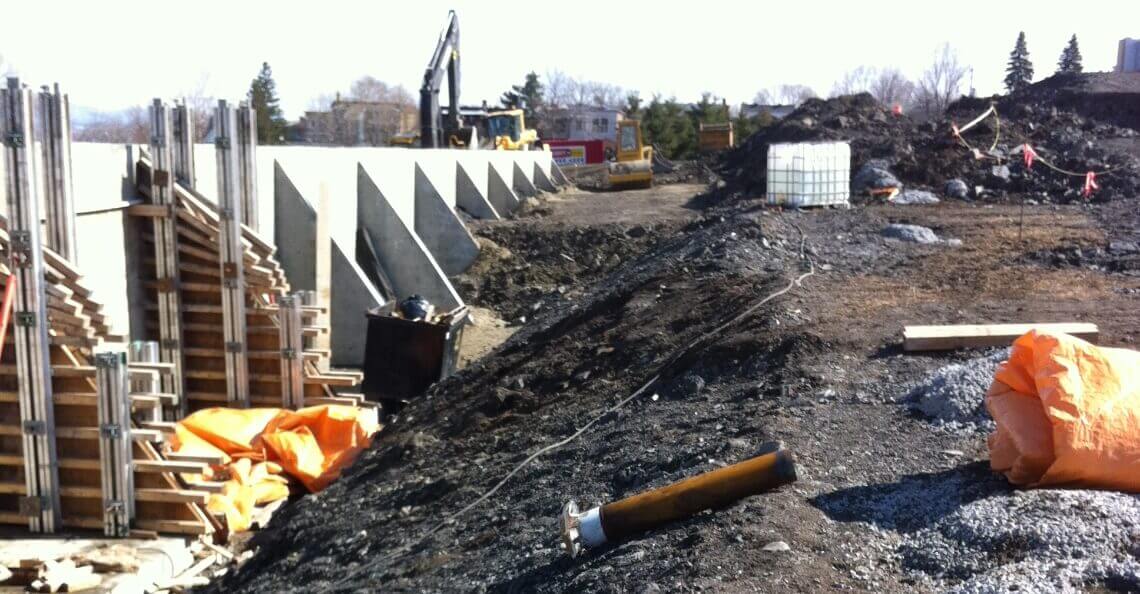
200 295
76 326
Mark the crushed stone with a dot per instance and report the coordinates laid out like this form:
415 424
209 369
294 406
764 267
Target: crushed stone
916 197
953 396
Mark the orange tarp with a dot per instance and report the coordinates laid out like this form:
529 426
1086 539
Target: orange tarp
261 445
1067 413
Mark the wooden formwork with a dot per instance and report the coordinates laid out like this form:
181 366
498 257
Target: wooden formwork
200 292
76 327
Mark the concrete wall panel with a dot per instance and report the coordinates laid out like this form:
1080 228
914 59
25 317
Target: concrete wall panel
352 296
404 257
471 196
445 236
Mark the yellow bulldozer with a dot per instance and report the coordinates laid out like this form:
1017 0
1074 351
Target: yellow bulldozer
632 166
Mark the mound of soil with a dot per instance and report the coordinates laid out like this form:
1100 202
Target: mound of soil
926 153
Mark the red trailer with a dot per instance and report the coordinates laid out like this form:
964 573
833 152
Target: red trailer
576 153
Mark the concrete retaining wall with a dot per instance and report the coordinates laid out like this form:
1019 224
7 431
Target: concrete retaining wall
407 201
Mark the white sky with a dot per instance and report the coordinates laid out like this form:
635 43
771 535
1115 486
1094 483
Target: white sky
117 53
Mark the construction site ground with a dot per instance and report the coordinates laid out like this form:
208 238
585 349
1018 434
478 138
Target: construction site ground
602 289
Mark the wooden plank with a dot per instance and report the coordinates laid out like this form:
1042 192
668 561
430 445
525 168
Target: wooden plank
149 210
166 427
211 459
175 466
332 380
942 338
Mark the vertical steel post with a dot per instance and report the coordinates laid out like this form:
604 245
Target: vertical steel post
166 250
231 255
112 387
59 200
292 352
183 151
247 156
33 358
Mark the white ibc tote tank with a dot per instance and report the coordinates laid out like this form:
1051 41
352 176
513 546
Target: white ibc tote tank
809 174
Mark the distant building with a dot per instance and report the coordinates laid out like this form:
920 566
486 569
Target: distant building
355 123
582 123
1128 56
778 112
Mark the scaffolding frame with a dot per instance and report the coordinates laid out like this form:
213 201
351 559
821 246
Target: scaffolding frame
59 199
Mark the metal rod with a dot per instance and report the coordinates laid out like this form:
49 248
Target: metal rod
33 359
59 201
115 448
166 251
231 255
247 164
292 352
183 132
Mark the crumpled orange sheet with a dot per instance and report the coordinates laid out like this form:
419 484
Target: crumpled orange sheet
1067 413
258 445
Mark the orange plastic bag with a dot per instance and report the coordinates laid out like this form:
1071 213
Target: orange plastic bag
1067 413
257 445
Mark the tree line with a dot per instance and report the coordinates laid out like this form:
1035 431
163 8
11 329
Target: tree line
669 124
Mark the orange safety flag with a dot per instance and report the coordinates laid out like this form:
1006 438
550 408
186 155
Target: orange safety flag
1090 184
1029 154
1067 413
261 447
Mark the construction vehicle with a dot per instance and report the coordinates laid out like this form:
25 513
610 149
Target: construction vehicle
507 131
632 166
437 129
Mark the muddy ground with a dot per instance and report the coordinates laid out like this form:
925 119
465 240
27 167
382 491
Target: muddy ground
623 283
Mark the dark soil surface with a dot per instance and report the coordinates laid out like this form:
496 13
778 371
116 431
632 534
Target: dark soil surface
819 369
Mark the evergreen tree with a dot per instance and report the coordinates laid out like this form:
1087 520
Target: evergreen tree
1019 72
632 106
1070 62
708 110
527 96
263 98
667 126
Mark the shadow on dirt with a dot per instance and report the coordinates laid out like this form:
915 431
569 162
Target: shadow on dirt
913 502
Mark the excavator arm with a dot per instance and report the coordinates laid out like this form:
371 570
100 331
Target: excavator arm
434 131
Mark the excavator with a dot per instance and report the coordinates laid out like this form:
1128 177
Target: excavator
632 166
505 130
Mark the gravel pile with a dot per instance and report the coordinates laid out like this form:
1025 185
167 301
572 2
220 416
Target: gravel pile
954 396
965 531
1033 541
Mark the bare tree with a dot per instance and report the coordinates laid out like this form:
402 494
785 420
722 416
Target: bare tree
794 94
130 125
940 84
891 88
557 91
202 105
854 81
763 97
605 95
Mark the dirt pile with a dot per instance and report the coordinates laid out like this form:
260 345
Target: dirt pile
926 154
1109 97
524 268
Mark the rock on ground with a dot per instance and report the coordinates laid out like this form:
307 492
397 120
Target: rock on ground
910 233
957 188
874 174
916 197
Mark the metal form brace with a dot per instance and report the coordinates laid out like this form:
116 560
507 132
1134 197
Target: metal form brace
58 199
33 358
292 352
166 251
182 122
146 351
247 158
231 256
112 387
